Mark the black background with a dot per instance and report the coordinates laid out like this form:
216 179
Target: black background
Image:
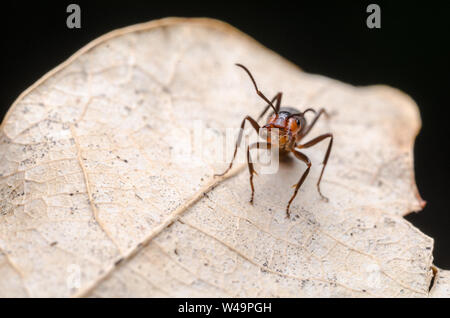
410 52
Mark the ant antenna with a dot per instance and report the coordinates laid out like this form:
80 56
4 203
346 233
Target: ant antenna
256 87
309 110
302 113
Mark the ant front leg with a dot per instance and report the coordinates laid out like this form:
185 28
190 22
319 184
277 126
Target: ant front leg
325 160
251 169
306 160
310 126
238 141
277 98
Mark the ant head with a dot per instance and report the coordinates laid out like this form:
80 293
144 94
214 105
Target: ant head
287 122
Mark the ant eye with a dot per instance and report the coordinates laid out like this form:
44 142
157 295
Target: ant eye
297 122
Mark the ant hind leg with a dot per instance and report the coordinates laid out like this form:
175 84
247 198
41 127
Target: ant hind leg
325 160
238 141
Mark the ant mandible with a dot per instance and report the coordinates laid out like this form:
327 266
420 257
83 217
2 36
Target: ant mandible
292 127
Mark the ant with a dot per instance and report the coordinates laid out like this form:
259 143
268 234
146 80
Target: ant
293 127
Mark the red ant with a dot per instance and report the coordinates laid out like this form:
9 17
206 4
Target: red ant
293 127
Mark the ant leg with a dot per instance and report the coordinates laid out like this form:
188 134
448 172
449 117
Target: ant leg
320 112
250 164
277 98
306 160
238 141
325 160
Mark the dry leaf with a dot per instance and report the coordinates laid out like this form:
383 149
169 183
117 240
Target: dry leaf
92 202
441 287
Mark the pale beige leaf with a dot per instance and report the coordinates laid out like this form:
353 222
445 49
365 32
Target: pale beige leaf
89 178
441 288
